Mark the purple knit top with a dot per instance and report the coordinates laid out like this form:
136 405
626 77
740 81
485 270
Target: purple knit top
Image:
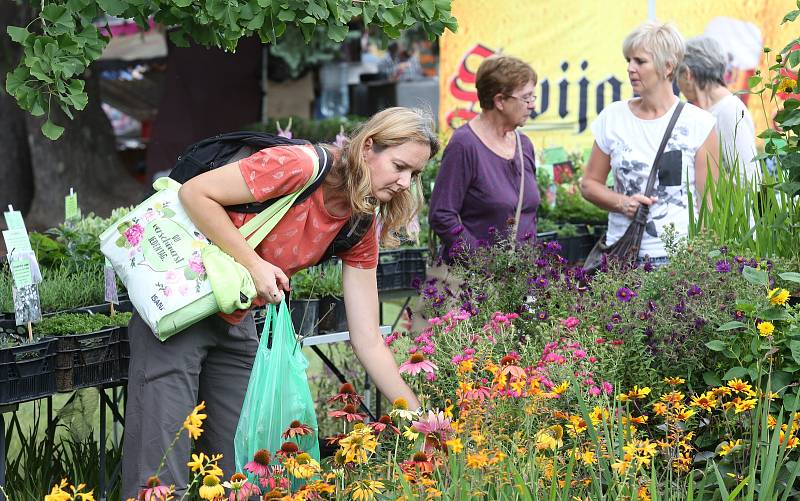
476 193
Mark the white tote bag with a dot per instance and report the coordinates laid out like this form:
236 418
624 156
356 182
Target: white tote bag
166 263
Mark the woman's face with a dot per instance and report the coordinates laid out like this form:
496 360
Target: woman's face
642 72
518 105
687 86
394 168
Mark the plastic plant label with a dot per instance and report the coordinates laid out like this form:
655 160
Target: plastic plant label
17 241
112 295
21 271
71 207
26 304
14 220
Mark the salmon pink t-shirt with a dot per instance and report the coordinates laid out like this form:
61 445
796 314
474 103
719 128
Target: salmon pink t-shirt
300 239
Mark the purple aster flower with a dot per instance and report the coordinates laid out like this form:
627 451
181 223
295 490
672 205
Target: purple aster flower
430 291
723 266
541 262
738 315
543 315
552 247
694 290
648 267
624 294
481 297
542 282
680 307
416 282
651 305
609 327
723 249
616 318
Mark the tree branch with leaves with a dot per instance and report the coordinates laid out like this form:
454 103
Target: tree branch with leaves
63 40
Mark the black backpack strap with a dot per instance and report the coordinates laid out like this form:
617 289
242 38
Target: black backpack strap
351 233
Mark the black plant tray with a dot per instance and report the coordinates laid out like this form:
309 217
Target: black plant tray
27 372
93 359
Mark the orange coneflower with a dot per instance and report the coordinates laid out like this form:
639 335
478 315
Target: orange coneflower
296 429
347 395
349 412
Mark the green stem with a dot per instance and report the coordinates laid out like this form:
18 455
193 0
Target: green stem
164 457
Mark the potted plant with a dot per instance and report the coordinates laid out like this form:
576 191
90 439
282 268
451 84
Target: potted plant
88 346
332 314
304 301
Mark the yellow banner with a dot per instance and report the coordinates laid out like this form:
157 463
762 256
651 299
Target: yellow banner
575 46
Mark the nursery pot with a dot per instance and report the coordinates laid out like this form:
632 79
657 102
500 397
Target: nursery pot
332 314
305 315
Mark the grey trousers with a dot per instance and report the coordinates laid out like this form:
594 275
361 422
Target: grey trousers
210 361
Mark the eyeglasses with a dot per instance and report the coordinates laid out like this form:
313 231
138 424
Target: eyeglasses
524 99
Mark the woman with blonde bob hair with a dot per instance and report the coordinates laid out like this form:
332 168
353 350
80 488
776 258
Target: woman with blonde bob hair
377 171
627 137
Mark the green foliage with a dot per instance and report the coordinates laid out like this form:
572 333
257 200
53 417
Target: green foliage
61 42
300 55
330 282
79 323
749 216
306 284
62 288
48 455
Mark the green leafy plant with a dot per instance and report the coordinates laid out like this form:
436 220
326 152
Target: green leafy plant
765 337
62 41
65 324
330 280
61 288
306 284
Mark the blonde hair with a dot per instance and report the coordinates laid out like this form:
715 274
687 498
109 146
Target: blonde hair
387 128
501 74
663 41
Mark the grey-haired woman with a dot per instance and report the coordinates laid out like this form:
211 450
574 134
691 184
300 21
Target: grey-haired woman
701 78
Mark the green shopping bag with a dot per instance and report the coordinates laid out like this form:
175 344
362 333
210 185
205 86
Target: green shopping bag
277 393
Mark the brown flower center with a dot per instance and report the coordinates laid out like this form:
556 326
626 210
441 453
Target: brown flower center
507 360
347 389
289 448
420 457
153 482
262 457
295 424
417 358
385 420
237 477
350 409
